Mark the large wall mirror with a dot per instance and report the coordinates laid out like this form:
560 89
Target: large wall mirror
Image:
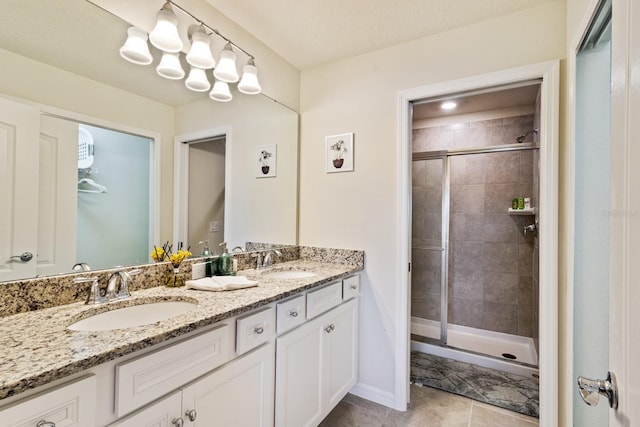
61 65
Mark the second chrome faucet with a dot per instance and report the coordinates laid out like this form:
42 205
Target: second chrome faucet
113 291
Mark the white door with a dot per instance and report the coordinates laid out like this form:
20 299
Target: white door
58 193
607 217
19 124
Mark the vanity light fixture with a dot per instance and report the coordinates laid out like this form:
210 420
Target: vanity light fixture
166 37
448 105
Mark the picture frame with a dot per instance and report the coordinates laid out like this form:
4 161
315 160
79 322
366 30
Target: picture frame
267 160
339 152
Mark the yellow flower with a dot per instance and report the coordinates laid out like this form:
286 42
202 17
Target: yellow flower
177 257
157 254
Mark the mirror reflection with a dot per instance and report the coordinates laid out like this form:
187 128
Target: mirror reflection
125 202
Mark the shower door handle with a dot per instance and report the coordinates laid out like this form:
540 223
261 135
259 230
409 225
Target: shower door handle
591 390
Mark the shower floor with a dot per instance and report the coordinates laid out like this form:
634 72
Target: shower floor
491 343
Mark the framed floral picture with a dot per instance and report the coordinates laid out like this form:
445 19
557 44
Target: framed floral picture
339 152
266 161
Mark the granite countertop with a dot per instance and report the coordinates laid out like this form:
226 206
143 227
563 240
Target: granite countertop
36 347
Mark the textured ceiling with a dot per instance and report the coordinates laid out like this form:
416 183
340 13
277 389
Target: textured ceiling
312 32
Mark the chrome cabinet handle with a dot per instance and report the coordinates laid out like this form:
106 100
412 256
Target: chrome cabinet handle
24 257
354 287
329 328
192 414
258 330
293 313
43 423
178 422
591 390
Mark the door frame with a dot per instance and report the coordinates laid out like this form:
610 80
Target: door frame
181 178
549 72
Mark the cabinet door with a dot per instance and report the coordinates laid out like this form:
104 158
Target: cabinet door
70 405
161 414
239 394
340 356
298 383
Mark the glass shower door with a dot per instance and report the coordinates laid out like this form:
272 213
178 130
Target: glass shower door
428 254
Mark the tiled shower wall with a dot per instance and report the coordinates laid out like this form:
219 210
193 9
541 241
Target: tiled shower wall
491 261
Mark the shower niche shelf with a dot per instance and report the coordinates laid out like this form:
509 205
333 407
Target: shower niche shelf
530 211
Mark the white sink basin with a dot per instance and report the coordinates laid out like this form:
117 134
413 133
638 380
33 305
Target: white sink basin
128 317
289 274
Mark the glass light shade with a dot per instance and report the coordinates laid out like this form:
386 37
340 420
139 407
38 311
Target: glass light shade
226 70
200 53
165 35
197 80
170 67
136 49
249 83
220 92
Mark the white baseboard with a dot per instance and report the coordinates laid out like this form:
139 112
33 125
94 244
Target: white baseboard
376 395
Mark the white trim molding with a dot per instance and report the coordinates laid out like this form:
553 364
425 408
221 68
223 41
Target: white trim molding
549 72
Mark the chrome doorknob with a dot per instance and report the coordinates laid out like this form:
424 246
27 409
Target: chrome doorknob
591 390
24 257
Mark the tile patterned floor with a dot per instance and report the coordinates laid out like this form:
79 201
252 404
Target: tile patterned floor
508 391
428 408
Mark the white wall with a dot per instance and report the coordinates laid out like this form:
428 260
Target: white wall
258 209
358 209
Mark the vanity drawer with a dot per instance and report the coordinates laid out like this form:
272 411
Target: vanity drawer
350 287
323 299
72 404
255 329
144 379
290 314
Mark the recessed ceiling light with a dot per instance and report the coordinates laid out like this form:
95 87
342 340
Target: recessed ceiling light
448 105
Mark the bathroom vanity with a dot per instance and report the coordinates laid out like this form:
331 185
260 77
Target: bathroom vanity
283 353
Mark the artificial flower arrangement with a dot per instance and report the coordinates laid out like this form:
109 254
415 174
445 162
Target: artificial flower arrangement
165 253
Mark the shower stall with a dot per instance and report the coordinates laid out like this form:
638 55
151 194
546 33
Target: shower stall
474 275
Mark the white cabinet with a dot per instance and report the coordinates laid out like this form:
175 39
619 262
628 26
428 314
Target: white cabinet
238 395
69 405
316 365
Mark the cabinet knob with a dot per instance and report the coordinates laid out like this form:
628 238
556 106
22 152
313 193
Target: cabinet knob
178 422
258 330
43 423
293 313
354 287
192 414
329 328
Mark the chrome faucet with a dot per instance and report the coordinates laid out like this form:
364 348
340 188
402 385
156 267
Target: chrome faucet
93 297
123 291
268 258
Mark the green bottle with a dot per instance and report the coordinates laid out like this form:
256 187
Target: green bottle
225 262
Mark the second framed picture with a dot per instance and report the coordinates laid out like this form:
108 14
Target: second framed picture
266 156
339 152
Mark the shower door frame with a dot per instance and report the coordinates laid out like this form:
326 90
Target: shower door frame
549 151
446 155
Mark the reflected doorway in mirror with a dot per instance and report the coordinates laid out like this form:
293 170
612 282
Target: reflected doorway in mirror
339 152
267 160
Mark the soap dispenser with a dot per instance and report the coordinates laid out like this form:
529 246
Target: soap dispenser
225 262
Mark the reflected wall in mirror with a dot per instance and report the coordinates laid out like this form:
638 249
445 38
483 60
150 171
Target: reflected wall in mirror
78 75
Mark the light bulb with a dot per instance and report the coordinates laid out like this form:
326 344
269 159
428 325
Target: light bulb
165 35
226 70
135 48
220 92
249 83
